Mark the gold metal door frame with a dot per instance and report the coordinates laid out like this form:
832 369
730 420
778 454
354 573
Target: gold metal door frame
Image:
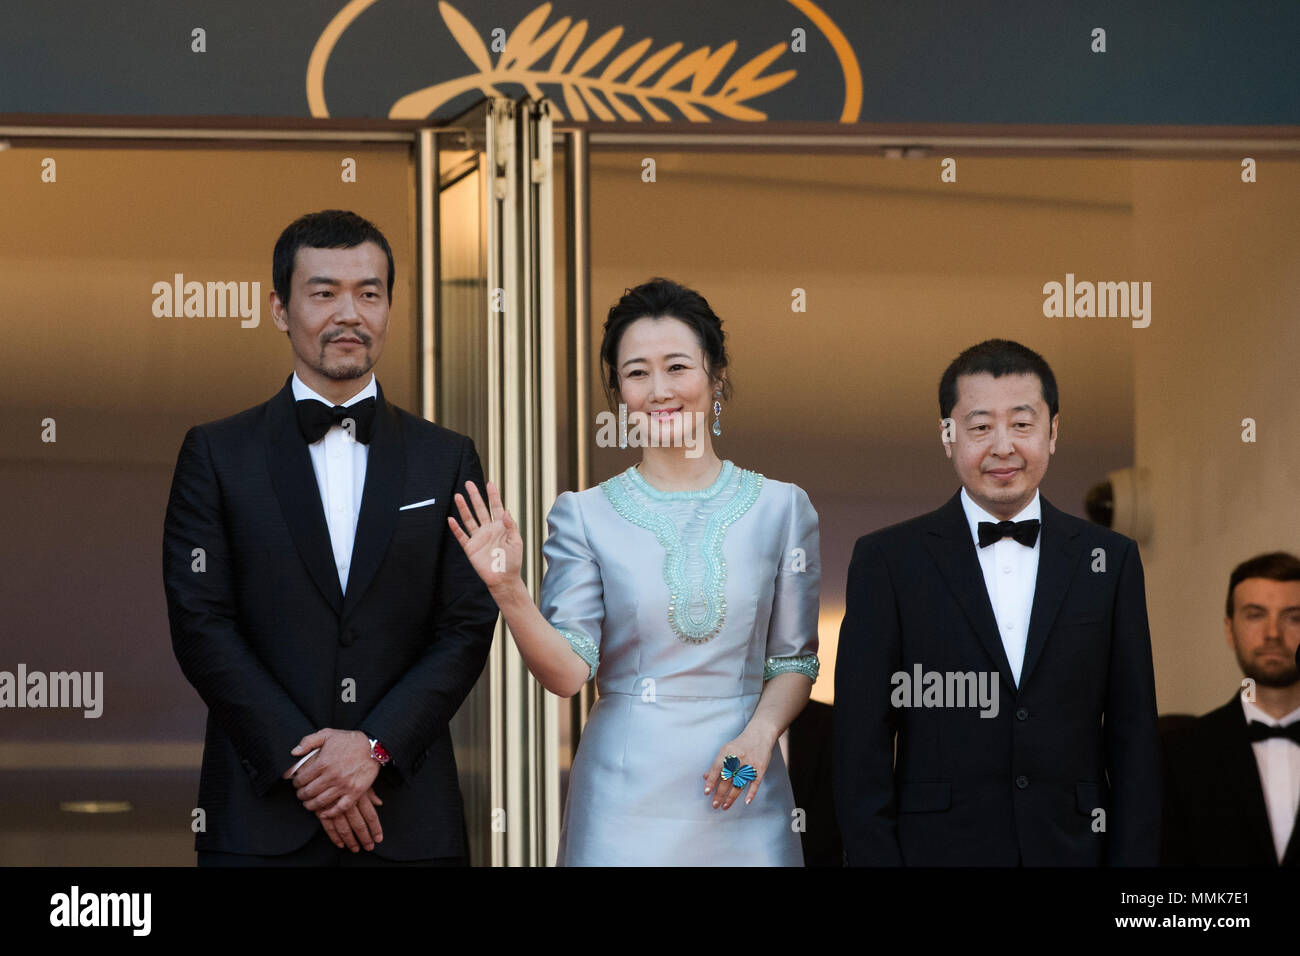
514 145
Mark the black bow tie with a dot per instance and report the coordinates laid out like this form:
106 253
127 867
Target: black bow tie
316 418
1256 730
1026 532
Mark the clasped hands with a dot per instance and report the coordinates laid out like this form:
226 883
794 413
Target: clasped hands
335 784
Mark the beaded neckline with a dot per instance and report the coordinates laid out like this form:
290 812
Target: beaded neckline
696 494
694 568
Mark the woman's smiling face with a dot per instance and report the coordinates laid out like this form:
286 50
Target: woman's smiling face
662 374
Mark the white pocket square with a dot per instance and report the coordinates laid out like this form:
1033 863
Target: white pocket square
418 504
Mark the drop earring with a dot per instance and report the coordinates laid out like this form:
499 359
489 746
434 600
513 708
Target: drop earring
717 414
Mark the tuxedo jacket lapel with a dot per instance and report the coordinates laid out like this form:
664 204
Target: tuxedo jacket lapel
1058 557
1291 857
949 542
1240 774
295 485
294 480
385 478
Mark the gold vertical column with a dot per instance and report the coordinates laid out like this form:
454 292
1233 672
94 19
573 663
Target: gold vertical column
428 279
531 694
515 438
541 280
578 296
497 166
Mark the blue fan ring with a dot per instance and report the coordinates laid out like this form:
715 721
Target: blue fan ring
740 776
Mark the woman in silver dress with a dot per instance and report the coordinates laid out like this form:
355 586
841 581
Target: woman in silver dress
687 586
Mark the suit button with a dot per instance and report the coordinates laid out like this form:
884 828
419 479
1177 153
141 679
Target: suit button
1022 781
1022 713
347 637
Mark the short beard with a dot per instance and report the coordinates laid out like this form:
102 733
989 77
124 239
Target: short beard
344 374
1288 677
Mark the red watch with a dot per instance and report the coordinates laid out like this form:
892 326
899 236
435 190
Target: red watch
377 752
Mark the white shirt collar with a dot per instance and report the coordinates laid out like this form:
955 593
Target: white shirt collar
301 391
975 514
1252 712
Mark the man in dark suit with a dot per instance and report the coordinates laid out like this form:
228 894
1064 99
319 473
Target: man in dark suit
1232 778
994 695
318 602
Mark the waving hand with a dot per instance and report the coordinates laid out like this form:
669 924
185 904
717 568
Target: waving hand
490 537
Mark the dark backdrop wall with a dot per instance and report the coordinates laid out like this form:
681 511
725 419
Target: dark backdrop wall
992 61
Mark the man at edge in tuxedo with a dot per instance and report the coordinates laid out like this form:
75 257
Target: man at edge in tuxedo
996 587
1232 778
317 601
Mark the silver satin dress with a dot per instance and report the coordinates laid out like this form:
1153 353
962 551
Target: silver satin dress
683 604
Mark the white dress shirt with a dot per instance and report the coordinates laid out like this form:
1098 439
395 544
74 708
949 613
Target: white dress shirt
1010 573
1278 760
340 465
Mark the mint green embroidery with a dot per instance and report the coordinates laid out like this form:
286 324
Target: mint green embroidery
585 648
806 664
633 476
709 570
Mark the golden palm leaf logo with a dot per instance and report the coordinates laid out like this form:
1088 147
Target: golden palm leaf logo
635 84
611 93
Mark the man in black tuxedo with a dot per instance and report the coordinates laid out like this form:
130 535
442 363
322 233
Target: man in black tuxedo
318 602
1232 778
994 695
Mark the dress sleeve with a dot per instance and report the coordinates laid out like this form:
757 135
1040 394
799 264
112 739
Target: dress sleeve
573 598
792 634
